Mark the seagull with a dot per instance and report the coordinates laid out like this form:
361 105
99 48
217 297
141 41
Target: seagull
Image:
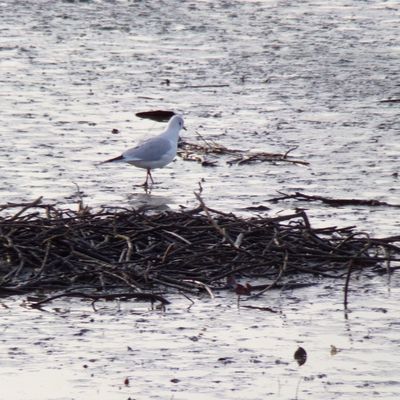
155 152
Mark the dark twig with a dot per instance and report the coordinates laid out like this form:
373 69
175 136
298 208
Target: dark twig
196 152
333 202
107 297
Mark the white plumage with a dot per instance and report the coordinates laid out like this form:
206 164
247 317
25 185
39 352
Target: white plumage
155 152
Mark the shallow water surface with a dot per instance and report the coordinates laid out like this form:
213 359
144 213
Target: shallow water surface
211 349
258 75
262 75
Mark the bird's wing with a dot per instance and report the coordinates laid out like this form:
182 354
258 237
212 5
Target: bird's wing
150 150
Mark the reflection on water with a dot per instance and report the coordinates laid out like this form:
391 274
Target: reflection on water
209 349
148 201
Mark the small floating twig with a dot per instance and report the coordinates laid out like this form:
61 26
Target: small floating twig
205 86
333 202
105 296
390 100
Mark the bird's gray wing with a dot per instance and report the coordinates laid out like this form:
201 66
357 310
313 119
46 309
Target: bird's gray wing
150 150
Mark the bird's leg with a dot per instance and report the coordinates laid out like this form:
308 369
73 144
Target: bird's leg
146 183
149 173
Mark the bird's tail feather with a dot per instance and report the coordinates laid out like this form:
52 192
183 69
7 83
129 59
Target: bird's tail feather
119 158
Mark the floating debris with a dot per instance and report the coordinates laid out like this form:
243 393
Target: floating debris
156 115
91 253
300 355
334 202
390 100
198 152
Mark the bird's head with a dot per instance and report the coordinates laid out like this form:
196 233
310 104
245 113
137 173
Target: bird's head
176 122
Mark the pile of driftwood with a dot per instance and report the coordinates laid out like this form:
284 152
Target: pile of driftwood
133 254
201 153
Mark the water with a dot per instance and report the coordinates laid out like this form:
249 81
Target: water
308 74
211 349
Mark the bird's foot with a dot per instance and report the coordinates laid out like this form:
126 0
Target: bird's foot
147 188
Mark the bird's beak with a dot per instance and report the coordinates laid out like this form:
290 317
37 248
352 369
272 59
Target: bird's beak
184 128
